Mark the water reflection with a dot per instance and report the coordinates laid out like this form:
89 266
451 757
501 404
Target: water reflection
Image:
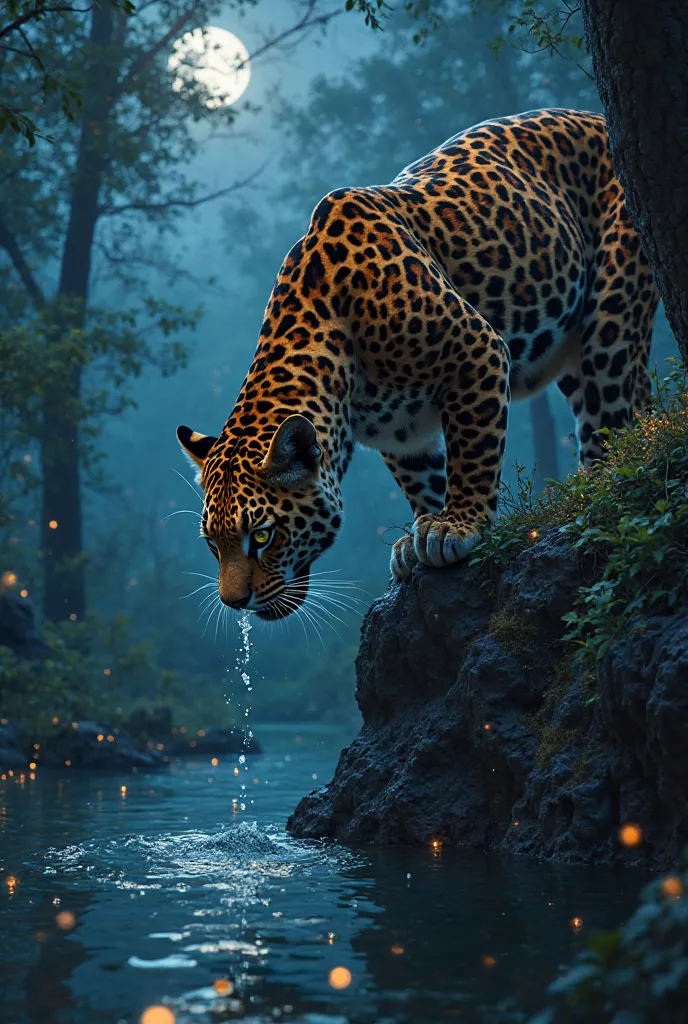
231 919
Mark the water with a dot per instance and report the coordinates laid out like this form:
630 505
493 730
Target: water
169 889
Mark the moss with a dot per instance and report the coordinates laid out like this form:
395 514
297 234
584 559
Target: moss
514 633
553 738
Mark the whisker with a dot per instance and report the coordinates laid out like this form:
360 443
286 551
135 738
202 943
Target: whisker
204 586
180 512
213 606
188 483
337 604
323 614
203 575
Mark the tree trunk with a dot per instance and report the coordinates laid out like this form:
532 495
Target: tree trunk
639 55
544 440
63 557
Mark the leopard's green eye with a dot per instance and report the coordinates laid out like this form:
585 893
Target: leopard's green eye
261 537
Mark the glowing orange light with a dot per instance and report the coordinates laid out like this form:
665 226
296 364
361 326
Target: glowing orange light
201 732
54 720
487 727
53 524
157 1015
32 775
397 950
123 790
100 737
630 835
159 746
11 882
9 578
516 824
576 923
73 617
24 593
672 886
223 986
32 766
214 762
534 534
36 746
65 920
339 977
489 961
107 671
236 771
436 844
111 739
68 764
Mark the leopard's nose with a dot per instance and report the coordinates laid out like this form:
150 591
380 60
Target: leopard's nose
238 602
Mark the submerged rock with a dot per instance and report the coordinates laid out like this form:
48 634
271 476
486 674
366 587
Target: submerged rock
95 746
477 732
214 741
153 725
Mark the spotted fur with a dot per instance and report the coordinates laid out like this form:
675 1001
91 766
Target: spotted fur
405 319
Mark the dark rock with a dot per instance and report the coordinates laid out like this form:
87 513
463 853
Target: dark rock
95 746
18 626
478 732
11 754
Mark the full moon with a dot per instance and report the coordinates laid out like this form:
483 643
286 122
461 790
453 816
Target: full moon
217 59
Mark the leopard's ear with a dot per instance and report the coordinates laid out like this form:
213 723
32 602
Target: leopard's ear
196 447
294 454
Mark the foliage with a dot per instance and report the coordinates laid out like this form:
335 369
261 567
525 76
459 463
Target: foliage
628 514
98 670
26 30
637 974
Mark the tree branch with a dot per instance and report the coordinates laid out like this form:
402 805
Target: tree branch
144 59
37 12
178 203
9 243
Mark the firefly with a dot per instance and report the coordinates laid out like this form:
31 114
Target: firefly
672 886
576 923
339 977
630 835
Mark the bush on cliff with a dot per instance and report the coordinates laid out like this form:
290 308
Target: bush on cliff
636 975
628 515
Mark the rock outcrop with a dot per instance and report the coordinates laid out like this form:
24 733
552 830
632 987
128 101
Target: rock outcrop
477 730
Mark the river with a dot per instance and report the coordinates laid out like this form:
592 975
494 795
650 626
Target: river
138 891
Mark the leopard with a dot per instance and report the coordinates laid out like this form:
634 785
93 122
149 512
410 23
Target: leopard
407 319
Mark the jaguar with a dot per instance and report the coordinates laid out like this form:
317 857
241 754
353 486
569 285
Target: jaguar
406 319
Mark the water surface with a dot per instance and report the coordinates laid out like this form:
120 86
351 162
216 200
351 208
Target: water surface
172 886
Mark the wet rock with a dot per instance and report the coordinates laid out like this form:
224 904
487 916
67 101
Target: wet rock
11 754
95 746
476 730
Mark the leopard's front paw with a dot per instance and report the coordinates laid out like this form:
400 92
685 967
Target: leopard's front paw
443 539
403 558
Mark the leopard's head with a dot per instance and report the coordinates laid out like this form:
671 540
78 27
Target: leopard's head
266 518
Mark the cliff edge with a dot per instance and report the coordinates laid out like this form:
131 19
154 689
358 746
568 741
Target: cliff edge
535 701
